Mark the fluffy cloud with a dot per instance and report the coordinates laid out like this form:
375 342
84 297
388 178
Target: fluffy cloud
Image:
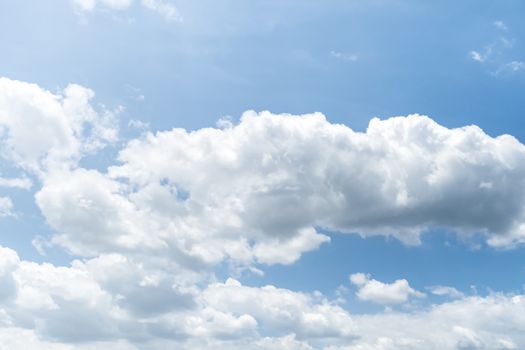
281 310
108 301
68 126
492 322
383 293
153 228
113 297
245 192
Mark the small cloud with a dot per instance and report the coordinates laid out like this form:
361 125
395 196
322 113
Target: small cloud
481 56
476 56
23 183
41 244
446 291
138 124
161 7
378 292
165 9
344 56
510 68
495 55
515 66
6 207
500 25
224 123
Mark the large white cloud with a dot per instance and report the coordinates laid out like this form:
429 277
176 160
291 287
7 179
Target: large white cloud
260 191
113 297
110 301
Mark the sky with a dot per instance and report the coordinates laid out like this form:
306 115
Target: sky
265 174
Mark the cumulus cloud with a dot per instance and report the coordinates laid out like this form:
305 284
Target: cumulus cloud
68 126
151 230
383 293
281 310
112 297
110 301
491 322
272 181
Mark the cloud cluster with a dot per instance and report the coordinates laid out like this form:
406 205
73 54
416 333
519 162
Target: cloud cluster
116 302
151 230
112 297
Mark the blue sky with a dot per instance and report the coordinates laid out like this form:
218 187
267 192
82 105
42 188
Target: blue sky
358 227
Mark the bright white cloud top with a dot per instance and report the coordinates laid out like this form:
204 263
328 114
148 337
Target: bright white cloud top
150 230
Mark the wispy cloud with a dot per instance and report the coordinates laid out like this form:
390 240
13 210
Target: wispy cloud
501 25
22 182
345 56
496 54
162 7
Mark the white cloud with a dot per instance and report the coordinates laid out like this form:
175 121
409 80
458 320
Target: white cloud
281 310
113 297
510 68
383 293
6 207
177 204
163 8
500 25
478 56
138 124
21 182
246 192
116 4
84 5
110 302
344 56
492 322
446 291
68 126
90 5
496 56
